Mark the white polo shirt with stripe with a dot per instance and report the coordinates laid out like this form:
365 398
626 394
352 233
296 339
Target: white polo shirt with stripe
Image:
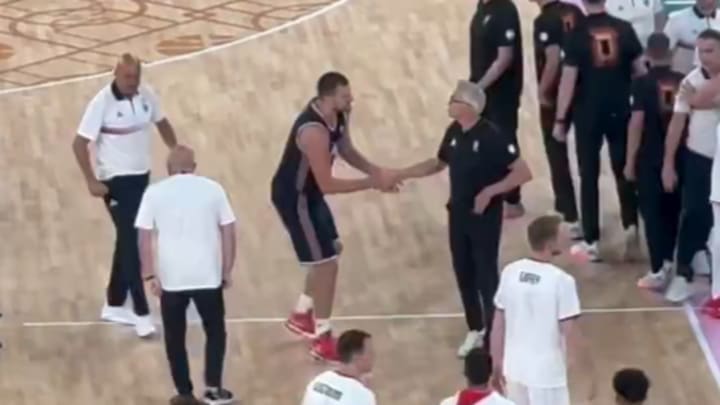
702 123
121 128
682 28
639 13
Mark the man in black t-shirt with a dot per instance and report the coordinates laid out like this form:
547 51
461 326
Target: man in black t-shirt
601 55
484 165
653 97
496 64
550 29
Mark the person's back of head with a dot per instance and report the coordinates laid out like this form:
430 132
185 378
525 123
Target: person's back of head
478 367
631 386
658 48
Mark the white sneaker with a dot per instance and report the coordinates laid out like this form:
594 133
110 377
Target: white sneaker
678 291
575 230
588 250
144 326
701 263
656 280
473 339
119 315
632 243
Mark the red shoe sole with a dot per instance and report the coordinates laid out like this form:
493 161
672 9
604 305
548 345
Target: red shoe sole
297 331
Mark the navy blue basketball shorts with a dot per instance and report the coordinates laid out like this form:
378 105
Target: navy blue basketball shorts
311 226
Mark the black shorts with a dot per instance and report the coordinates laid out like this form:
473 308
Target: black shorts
311 226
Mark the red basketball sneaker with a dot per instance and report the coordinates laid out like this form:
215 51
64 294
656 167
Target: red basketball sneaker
712 308
324 347
302 323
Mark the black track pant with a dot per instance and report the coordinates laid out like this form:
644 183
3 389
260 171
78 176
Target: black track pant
560 176
660 212
696 219
505 116
589 133
122 202
211 307
474 245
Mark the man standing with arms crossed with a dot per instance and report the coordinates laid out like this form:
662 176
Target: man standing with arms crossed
118 121
696 218
537 320
556 19
653 98
496 64
600 57
303 178
195 254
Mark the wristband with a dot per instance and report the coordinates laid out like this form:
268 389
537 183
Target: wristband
148 278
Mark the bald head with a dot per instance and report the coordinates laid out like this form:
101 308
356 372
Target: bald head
181 160
127 74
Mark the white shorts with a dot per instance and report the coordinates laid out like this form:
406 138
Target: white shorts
523 395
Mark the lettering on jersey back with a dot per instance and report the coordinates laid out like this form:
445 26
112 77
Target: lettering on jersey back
328 391
568 21
666 95
529 278
605 47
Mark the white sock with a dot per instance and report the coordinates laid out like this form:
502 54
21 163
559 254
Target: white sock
304 304
322 326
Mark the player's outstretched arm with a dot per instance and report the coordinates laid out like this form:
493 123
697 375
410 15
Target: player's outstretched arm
314 142
424 168
387 179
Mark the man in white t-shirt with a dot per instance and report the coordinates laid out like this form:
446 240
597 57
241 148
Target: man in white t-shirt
646 16
684 26
478 370
192 261
536 318
696 218
119 121
346 385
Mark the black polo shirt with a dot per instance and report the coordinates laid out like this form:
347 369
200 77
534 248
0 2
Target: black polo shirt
476 159
496 23
603 49
654 94
551 28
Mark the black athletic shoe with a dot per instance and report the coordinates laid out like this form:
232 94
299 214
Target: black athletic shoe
218 396
185 400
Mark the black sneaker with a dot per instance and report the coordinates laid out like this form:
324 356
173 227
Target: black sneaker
218 396
184 400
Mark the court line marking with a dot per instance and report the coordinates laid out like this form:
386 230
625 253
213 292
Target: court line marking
191 55
377 317
702 342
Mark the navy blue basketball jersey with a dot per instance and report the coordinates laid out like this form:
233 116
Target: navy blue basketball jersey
293 175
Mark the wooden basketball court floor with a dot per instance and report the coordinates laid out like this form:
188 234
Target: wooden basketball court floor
235 105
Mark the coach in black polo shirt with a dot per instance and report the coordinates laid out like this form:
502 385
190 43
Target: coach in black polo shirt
496 64
484 166
601 55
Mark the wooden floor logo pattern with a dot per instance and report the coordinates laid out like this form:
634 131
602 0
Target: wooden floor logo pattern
43 41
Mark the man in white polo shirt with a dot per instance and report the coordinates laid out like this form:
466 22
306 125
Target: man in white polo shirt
347 384
646 16
118 121
684 26
696 218
195 254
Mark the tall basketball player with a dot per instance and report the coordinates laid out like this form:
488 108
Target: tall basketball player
550 30
301 181
601 56
536 321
